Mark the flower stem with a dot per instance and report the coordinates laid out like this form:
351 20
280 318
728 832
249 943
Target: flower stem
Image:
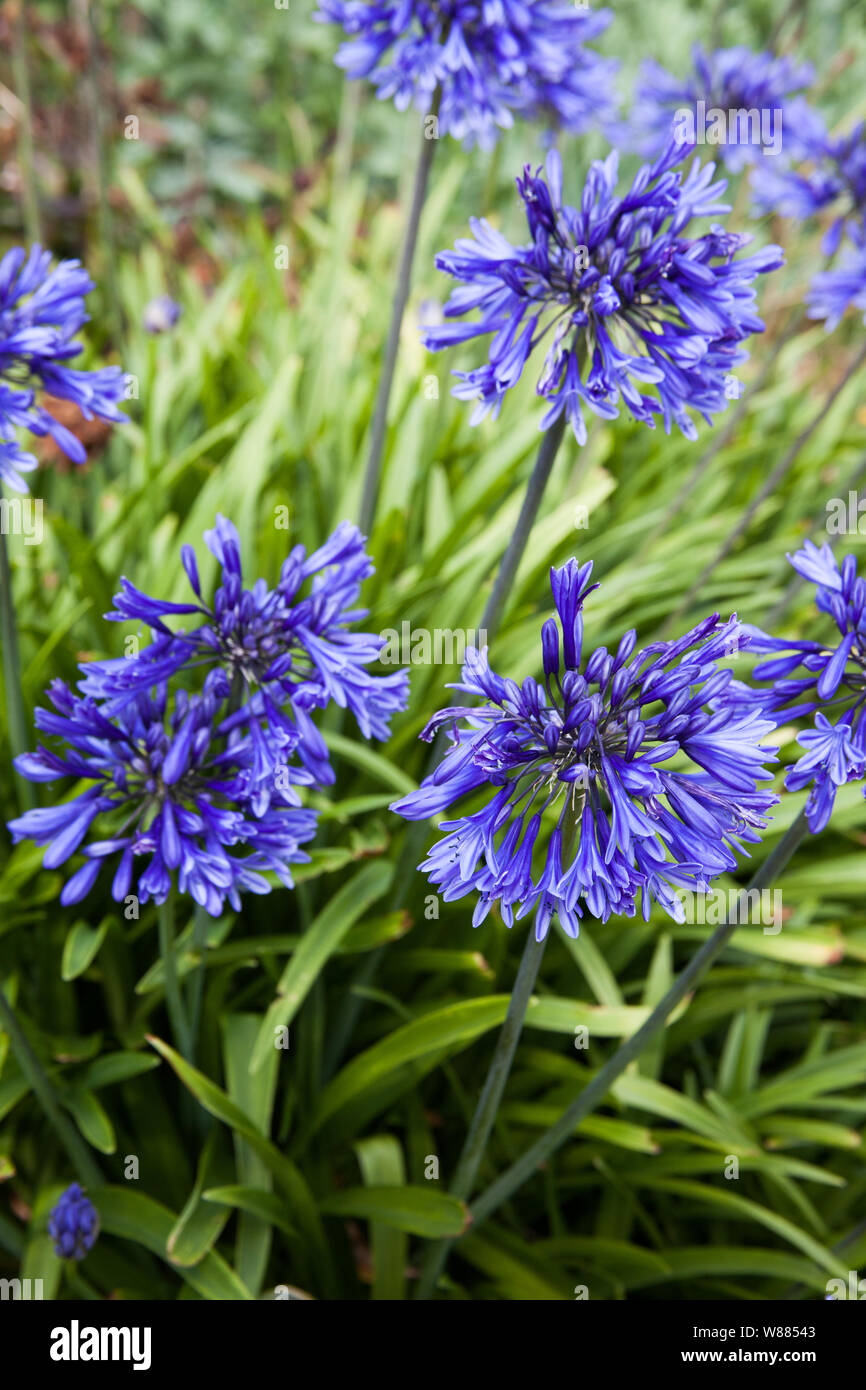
78 1152
544 460
488 1103
26 157
15 712
723 436
372 475
493 609
199 936
173 1000
777 475
593 1094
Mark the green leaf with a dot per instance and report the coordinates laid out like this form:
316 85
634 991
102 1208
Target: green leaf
418 1210
315 948
264 1206
133 1216
80 948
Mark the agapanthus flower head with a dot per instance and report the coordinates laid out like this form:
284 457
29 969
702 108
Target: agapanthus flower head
284 651
833 176
820 678
73 1224
832 292
41 310
486 58
614 290
168 794
161 314
621 776
734 99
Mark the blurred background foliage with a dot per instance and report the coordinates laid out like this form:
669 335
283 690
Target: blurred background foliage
264 194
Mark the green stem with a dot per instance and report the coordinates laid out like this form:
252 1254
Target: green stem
15 713
372 475
488 1103
26 156
78 1152
199 936
592 1095
493 610
173 1001
777 475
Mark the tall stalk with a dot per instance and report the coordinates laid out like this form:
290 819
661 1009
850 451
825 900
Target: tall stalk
592 1095
16 716
490 619
776 476
26 151
372 476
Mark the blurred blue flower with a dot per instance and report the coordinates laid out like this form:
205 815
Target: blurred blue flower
488 58
41 310
169 782
617 291
834 173
73 1224
729 81
809 677
833 292
589 752
284 651
161 314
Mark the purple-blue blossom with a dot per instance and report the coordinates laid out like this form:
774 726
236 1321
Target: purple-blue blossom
739 101
163 799
826 679
487 59
161 314
73 1224
611 295
285 651
619 777
41 310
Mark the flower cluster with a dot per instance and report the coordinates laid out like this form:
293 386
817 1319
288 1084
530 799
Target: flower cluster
41 310
617 290
486 60
202 781
648 777
745 98
809 677
832 180
73 1224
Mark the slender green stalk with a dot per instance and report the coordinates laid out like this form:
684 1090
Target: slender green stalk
488 1103
797 581
199 936
78 1152
593 1094
493 610
100 169
372 476
15 712
722 437
777 475
173 999
26 154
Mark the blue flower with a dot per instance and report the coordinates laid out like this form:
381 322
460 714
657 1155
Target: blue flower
834 291
576 802
732 81
834 177
809 677
170 784
488 60
161 314
284 651
73 1224
41 310
617 292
